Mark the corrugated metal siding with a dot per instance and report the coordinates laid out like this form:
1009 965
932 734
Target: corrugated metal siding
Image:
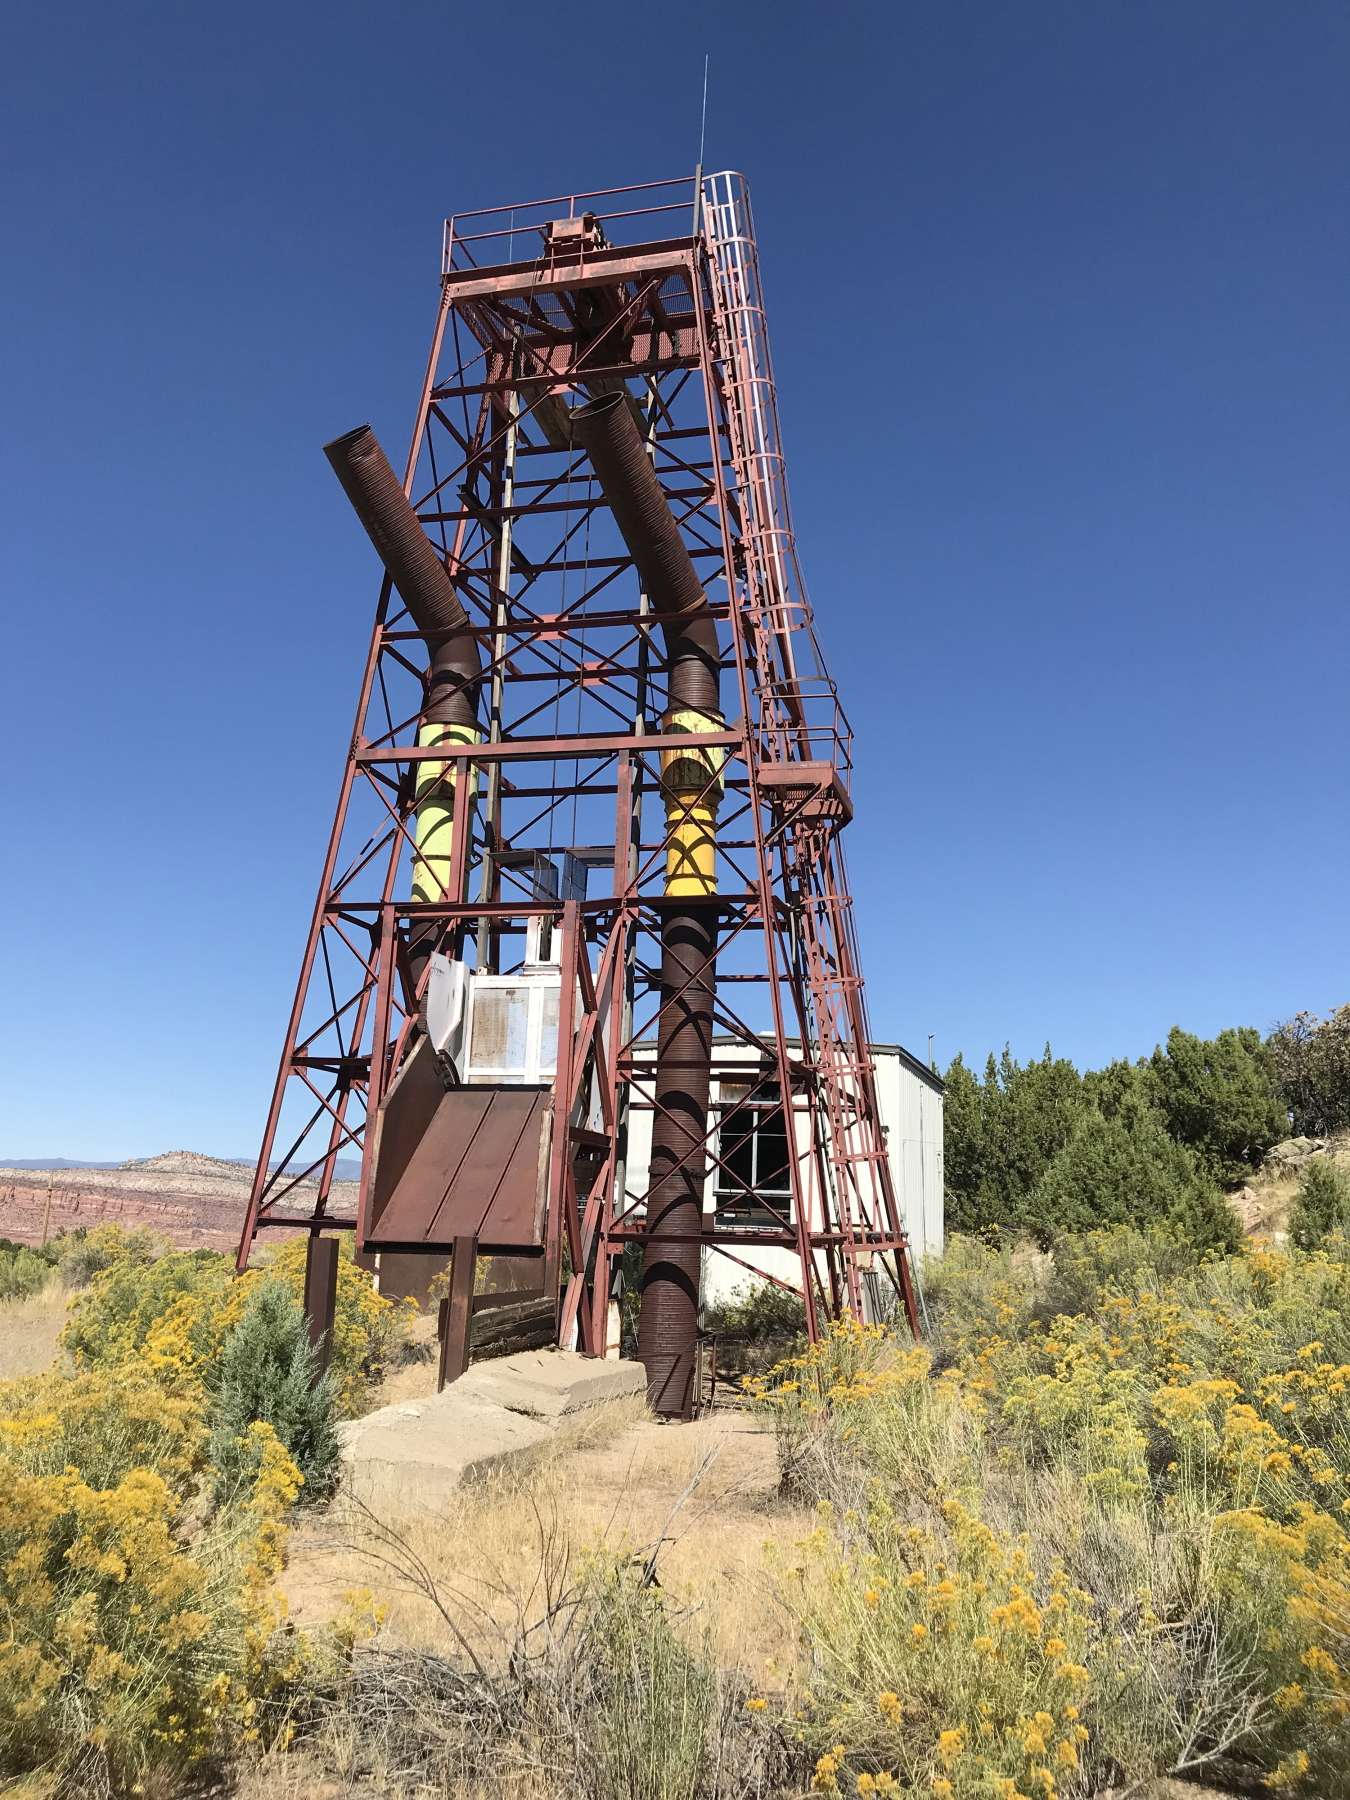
912 1111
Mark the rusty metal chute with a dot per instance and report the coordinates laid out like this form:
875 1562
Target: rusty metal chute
606 430
459 1163
450 709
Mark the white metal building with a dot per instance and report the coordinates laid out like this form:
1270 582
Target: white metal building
909 1095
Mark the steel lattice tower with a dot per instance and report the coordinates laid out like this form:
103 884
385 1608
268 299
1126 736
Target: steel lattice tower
700 755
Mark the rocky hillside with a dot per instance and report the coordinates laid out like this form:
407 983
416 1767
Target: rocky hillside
198 1202
1263 1204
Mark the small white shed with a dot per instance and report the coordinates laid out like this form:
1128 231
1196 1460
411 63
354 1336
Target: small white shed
909 1095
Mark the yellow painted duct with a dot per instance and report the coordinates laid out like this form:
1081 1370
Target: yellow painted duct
691 783
434 828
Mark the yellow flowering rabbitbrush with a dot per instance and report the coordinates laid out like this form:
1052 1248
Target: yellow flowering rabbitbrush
1100 1542
126 1647
172 1317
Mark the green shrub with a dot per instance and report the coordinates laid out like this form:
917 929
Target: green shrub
1220 1098
267 1372
1002 1134
648 1737
1007 1139
1203 1219
1119 1171
369 1331
1120 1085
1321 1206
22 1272
759 1310
48 1251
630 1297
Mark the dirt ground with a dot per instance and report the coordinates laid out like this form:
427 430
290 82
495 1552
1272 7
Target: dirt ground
28 1331
616 1475
1263 1203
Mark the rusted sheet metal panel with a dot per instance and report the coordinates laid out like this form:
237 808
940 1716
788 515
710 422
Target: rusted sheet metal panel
400 1125
465 1163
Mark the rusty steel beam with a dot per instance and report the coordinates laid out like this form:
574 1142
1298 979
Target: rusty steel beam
513 280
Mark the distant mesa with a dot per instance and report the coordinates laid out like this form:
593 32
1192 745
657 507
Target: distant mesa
194 1200
170 1162
53 1162
187 1162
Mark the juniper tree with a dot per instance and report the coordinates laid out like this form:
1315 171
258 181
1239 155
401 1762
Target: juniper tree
268 1372
1321 1206
1219 1097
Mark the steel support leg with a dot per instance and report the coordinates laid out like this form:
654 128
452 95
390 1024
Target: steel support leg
321 1273
456 1317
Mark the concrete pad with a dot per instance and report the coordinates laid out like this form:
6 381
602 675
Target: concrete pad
419 1451
423 1450
548 1384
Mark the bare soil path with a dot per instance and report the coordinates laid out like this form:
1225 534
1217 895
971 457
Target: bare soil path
614 1474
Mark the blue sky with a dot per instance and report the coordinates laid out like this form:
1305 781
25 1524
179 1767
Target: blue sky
1058 303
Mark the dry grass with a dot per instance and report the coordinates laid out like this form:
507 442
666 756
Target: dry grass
501 1552
289 1775
1263 1203
28 1331
613 1473
414 1378
410 1381
516 1624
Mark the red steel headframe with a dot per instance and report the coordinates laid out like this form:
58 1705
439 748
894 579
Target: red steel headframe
539 310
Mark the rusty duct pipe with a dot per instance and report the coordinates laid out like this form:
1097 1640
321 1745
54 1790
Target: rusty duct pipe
606 430
692 787
450 715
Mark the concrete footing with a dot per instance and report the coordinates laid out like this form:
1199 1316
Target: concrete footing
421 1450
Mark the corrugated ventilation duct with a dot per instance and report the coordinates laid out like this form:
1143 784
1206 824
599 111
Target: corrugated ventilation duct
450 715
692 787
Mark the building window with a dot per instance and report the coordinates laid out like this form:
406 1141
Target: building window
753 1156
